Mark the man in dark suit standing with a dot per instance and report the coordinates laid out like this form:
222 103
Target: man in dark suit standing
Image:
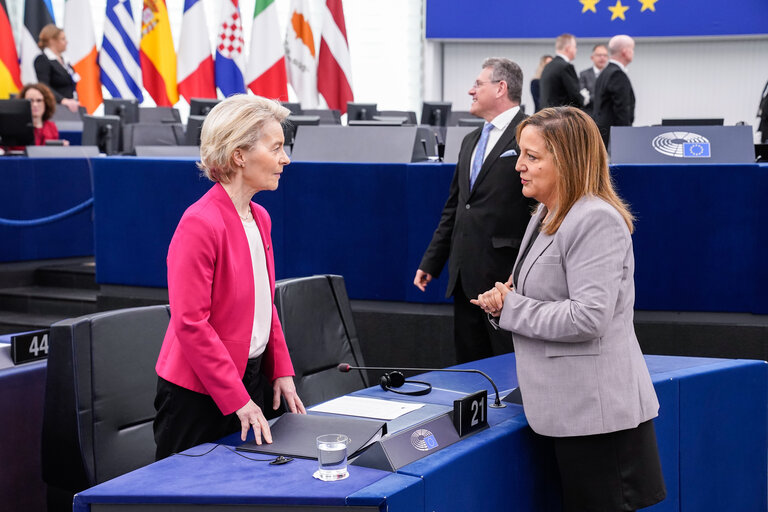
588 77
559 85
762 113
485 216
614 97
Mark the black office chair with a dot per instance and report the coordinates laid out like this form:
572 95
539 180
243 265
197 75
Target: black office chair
159 115
320 333
99 399
327 116
151 134
409 115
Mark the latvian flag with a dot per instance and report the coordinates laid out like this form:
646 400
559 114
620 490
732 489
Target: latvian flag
334 72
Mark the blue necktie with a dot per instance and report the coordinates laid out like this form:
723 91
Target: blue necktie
477 162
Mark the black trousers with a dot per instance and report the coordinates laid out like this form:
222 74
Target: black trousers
186 418
613 472
474 337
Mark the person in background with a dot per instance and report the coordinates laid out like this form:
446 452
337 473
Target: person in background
43 106
559 84
614 101
762 114
51 68
569 305
587 77
225 338
535 81
484 217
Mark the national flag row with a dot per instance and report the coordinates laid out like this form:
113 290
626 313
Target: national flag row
128 59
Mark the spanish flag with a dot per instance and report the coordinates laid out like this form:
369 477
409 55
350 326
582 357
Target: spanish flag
158 59
10 73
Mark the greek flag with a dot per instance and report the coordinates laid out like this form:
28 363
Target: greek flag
119 56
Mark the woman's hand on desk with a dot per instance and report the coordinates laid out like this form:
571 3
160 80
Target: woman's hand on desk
283 386
250 415
492 301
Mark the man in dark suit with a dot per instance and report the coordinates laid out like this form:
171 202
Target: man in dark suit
614 103
588 77
485 215
559 85
762 113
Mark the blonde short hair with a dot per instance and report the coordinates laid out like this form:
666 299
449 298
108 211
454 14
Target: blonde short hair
235 123
48 34
574 141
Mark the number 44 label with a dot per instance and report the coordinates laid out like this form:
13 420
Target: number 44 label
29 346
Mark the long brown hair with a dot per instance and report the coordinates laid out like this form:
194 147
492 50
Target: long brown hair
574 141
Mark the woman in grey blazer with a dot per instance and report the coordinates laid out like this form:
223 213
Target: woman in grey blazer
569 304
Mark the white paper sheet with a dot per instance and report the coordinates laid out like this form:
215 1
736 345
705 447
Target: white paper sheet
367 407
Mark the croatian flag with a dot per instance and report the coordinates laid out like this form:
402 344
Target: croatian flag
229 52
195 64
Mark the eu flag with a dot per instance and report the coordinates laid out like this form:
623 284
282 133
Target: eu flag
696 150
546 19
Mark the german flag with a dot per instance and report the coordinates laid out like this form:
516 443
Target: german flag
10 73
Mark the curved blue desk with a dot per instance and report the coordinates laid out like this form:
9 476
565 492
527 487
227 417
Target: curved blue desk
711 434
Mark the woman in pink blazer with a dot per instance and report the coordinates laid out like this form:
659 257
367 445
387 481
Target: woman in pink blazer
224 336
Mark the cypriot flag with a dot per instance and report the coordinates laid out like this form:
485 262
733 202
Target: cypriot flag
300 54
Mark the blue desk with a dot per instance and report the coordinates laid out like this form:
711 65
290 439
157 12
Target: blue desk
21 418
711 433
372 222
34 188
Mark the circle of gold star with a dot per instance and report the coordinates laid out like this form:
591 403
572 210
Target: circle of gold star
618 10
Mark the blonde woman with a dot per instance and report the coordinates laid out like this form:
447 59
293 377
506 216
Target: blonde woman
51 68
225 338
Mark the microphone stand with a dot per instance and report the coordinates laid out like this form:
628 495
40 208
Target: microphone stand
497 404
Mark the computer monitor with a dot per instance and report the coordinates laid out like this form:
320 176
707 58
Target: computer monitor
194 127
435 113
201 106
291 126
103 132
126 109
16 123
693 122
159 115
361 111
471 121
295 108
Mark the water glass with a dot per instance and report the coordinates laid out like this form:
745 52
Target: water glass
332 457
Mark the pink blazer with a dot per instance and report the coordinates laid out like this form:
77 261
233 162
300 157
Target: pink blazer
210 285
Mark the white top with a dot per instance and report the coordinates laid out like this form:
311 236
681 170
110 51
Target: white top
262 311
500 123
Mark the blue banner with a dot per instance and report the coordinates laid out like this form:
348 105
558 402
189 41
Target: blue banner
535 19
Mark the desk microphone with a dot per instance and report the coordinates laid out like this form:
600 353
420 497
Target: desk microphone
387 378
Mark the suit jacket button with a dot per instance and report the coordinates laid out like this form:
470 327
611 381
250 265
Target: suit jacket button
467 207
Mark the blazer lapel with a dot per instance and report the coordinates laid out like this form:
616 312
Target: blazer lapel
539 246
501 145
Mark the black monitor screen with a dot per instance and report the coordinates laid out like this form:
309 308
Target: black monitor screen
127 110
103 132
693 122
201 106
435 113
16 123
361 111
295 108
194 127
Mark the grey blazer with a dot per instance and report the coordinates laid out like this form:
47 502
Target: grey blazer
579 365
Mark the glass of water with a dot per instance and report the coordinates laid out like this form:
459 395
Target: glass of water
332 457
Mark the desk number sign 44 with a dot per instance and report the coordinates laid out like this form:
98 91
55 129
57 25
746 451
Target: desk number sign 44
29 346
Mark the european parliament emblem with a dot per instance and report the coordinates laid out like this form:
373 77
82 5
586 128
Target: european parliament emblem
696 150
681 145
423 440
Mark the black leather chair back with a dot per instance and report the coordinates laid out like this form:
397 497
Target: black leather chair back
320 333
99 398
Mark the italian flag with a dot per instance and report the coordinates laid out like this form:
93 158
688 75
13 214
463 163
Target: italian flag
81 52
265 73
